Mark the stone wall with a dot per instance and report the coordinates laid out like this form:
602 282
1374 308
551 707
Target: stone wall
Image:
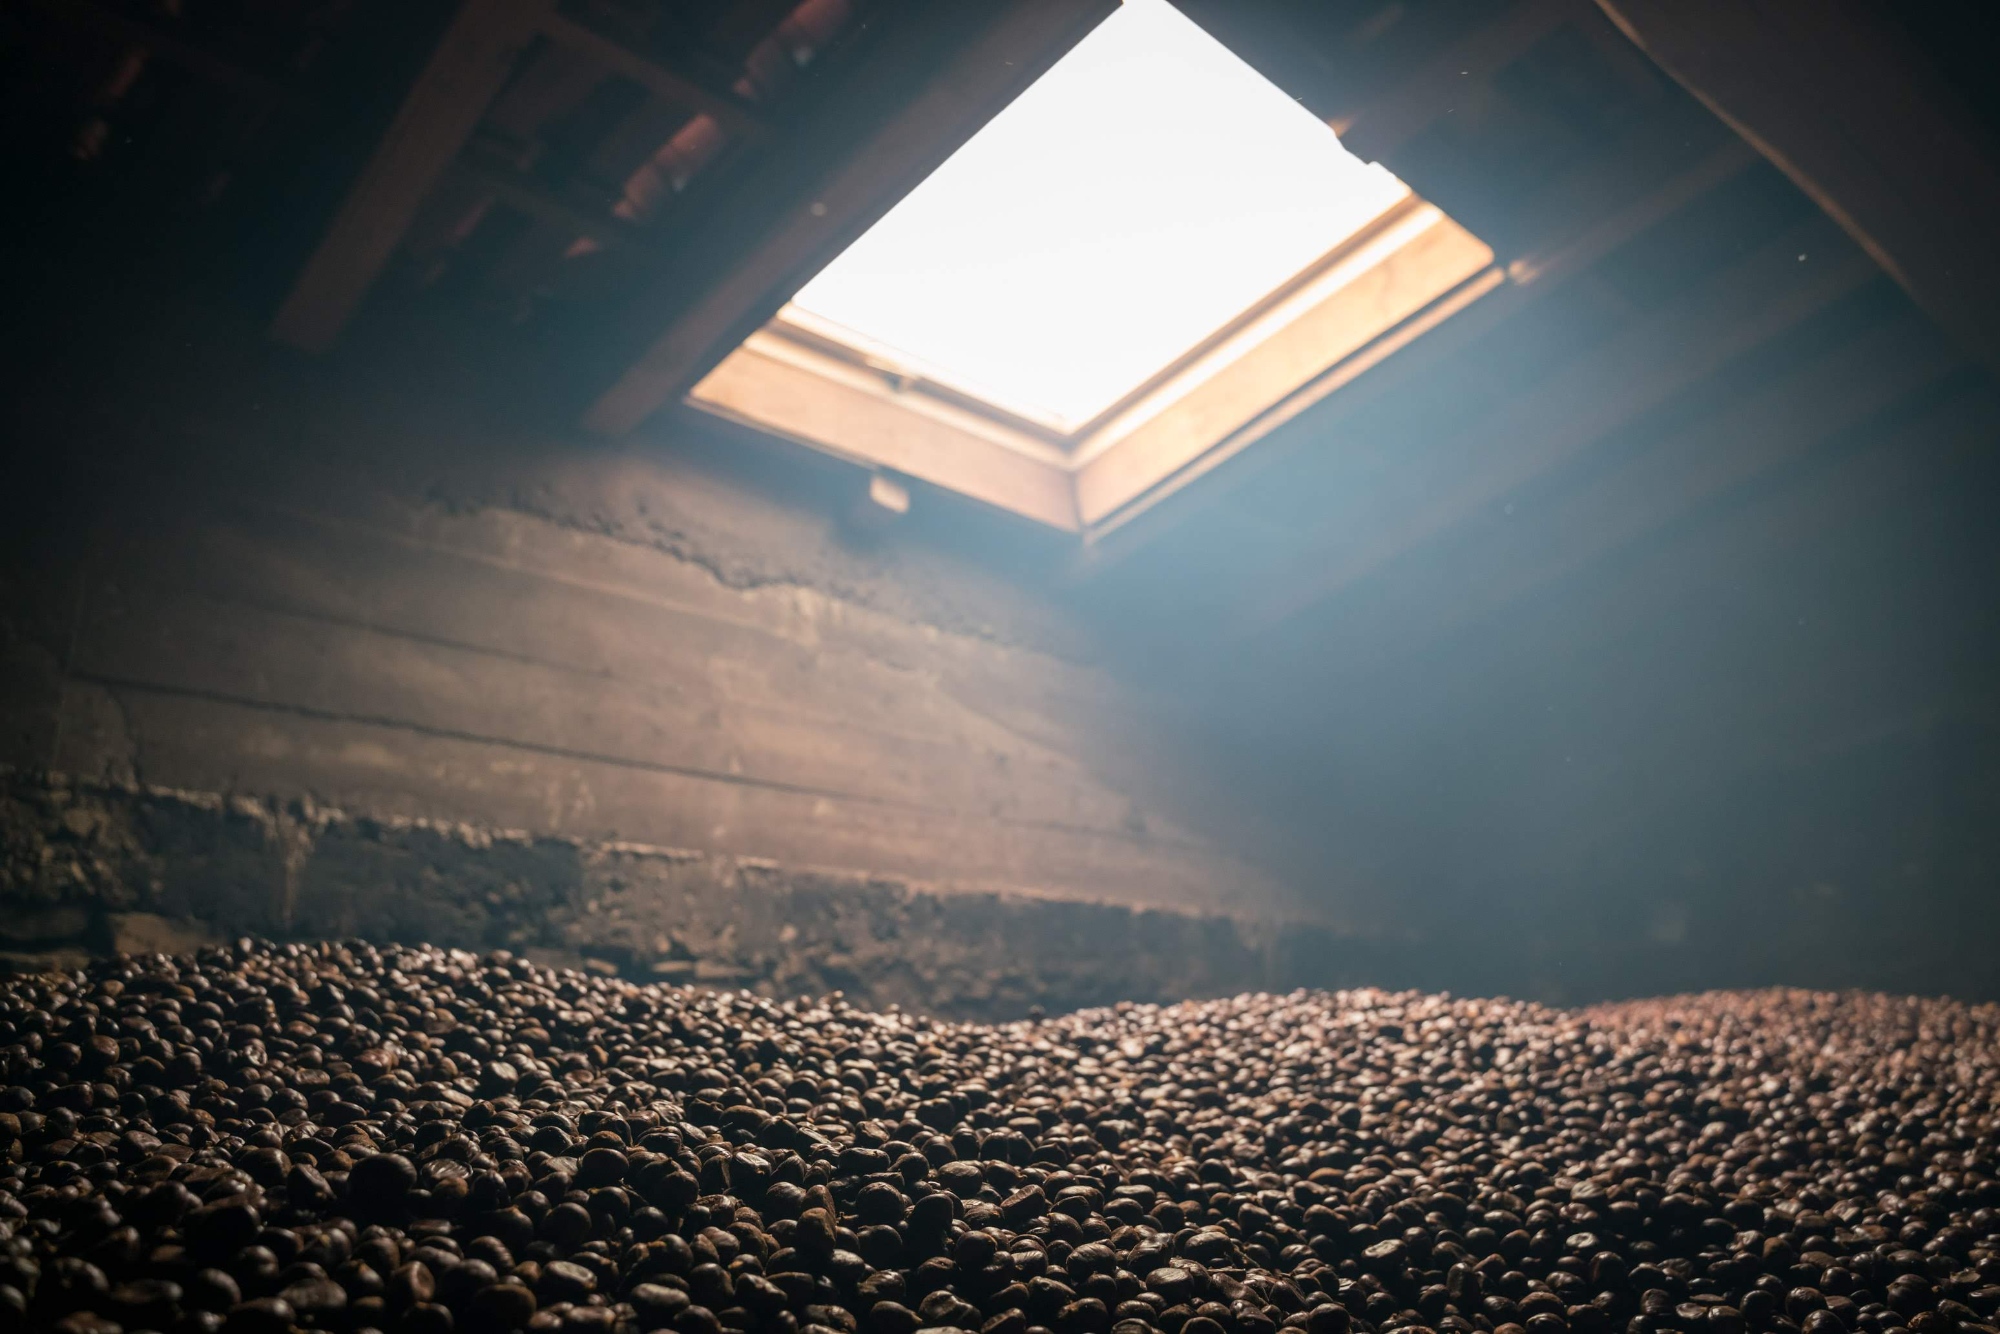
89 867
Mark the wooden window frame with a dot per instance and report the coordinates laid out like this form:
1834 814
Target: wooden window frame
1403 272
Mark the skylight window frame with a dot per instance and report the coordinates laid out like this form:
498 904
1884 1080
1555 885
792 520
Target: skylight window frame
804 380
729 354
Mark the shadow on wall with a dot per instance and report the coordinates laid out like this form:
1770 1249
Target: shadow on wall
1876 868
1875 865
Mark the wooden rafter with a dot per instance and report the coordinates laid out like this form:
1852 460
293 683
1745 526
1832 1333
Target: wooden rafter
1840 98
538 201
437 119
467 69
837 204
668 84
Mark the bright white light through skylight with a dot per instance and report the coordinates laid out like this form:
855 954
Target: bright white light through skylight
1145 191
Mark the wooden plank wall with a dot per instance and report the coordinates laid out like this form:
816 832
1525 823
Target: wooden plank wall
382 654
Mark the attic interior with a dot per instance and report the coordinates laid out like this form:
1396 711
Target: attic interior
1021 666
1557 566
1574 583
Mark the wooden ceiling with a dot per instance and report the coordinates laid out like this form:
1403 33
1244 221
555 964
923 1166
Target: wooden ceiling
645 181
586 164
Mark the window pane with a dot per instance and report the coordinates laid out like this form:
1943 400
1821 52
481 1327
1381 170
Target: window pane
1137 197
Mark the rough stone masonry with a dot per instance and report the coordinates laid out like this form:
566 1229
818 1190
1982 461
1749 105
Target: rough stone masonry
90 867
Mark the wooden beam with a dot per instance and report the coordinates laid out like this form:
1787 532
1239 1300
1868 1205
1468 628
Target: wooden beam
468 68
1844 102
668 84
1446 85
539 202
1655 359
832 207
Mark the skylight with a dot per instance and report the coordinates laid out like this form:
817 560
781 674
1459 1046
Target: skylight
1147 190
1151 259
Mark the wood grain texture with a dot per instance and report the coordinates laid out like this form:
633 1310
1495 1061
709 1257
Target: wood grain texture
493 668
468 68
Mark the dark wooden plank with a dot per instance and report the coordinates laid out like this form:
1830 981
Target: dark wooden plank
663 82
520 191
470 65
1730 313
367 539
1841 99
350 622
211 744
1861 670
509 585
834 203
701 714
